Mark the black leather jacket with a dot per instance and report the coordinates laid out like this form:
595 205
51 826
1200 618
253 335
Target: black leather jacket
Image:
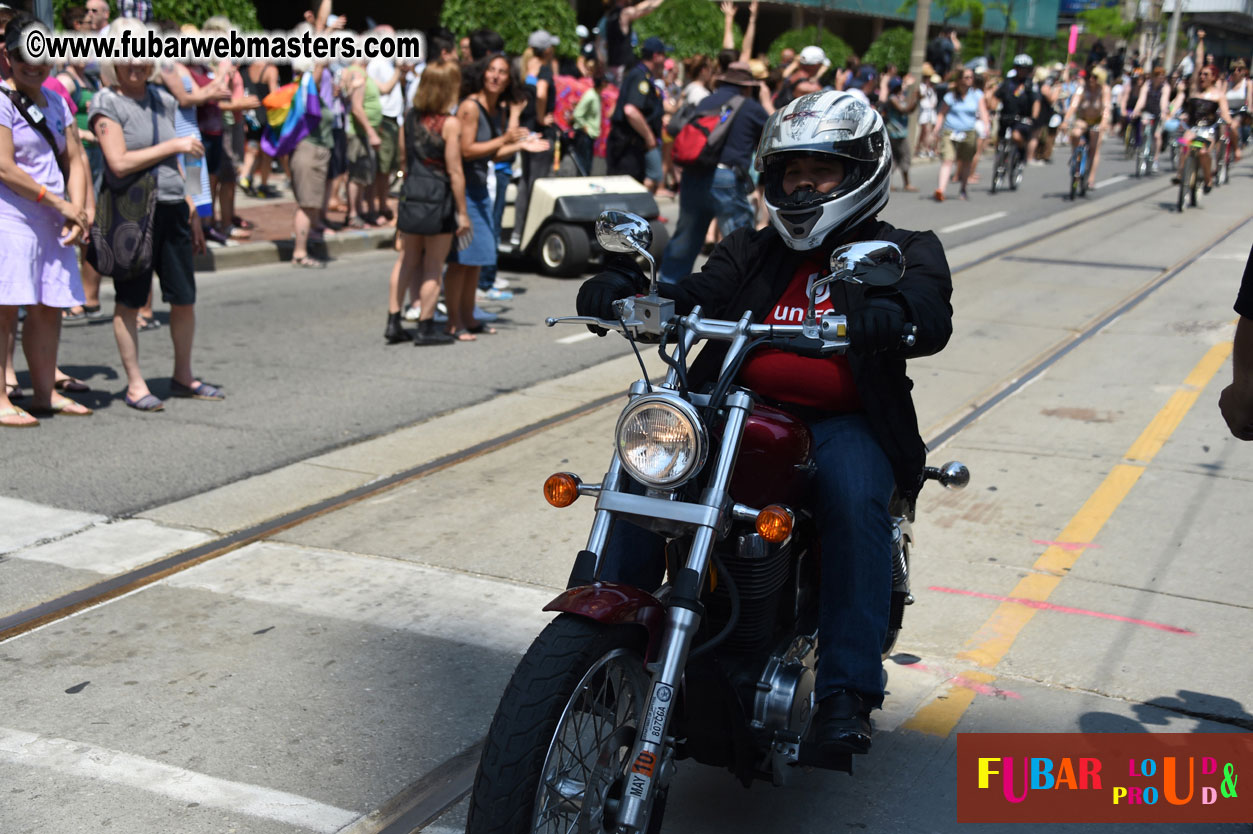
751 269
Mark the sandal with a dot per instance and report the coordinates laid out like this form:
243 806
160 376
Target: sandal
199 390
148 402
308 262
64 407
71 384
463 335
25 420
147 324
242 223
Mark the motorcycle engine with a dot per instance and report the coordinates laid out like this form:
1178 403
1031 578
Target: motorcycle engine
760 572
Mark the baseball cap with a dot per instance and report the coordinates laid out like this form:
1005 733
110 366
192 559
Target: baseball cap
866 74
653 46
541 40
812 55
894 85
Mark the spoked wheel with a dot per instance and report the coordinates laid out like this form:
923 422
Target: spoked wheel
1075 173
1193 179
555 758
1185 176
1018 165
999 170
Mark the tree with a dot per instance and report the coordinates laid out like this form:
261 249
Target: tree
514 21
692 27
837 50
892 47
1107 22
242 13
950 12
1006 9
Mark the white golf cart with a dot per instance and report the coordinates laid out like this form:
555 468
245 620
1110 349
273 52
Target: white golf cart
558 235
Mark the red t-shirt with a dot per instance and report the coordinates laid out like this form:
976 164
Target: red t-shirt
825 384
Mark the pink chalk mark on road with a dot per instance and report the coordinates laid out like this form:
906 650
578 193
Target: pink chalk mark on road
1063 609
958 679
1071 546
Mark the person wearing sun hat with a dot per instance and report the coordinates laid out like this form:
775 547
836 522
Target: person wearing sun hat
722 192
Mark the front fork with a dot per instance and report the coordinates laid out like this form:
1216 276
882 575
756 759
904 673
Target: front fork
649 759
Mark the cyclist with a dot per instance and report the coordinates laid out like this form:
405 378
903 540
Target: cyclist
1155 100
1204 106
1089 113
1020 105
1240 103
1127 99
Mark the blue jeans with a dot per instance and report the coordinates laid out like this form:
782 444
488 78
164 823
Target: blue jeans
703 196
487 275
853 487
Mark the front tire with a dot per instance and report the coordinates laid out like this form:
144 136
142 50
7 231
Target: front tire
556 755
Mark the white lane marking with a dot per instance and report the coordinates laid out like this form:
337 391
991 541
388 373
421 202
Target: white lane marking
115 547
1109 181
381 592
987 218
87 761
577 337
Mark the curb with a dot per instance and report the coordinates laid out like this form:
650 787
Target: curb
264 252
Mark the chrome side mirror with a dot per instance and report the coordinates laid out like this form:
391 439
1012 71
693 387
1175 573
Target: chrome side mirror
876 263
629 234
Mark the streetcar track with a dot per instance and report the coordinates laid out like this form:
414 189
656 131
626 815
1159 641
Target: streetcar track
434 793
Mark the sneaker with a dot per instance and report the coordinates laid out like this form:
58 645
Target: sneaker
441 312
493 295
500 284
482 315
1154 168
413 313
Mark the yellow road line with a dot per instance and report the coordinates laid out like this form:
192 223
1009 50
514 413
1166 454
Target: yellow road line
992 641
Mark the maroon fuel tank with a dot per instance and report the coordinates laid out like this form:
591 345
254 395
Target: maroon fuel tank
774 454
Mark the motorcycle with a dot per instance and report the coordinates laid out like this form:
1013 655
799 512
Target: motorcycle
718 664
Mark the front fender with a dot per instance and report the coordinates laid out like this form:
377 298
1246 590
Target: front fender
611 603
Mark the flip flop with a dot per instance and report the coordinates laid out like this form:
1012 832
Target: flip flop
147 324
72 385
200 390
148 402
308 262
62 407
14 411
463 335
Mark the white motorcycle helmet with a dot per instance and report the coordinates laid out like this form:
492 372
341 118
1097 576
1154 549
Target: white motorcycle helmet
837 124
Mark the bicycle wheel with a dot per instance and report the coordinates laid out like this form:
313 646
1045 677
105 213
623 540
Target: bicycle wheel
1193 178
1074 173
998 170
1083 171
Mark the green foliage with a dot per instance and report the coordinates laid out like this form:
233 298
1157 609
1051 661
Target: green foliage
692 27
240 12
892 47
956 12
515 21
1107 22
837 50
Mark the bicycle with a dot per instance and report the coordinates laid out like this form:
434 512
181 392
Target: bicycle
1190 176
1223 157
1144 146
1009 162
1079 167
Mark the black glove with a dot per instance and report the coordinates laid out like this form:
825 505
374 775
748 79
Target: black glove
877 326
597 295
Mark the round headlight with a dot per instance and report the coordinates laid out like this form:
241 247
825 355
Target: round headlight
661 441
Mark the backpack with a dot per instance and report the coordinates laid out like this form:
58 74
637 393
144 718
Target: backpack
698 144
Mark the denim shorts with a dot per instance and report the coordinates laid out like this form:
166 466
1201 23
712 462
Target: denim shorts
652 165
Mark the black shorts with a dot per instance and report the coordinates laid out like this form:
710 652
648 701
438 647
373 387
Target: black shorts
625 154
339 153
171 259
212 152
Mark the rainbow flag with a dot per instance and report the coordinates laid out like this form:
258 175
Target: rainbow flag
303 116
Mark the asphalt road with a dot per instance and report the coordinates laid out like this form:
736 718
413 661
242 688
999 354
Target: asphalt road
301 357
332 674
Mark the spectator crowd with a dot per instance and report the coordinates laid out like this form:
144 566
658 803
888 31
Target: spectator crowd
136 166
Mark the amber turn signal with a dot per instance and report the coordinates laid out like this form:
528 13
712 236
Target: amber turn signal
774 523
561 489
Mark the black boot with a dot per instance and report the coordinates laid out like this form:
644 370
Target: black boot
394 332
429 334
842 722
